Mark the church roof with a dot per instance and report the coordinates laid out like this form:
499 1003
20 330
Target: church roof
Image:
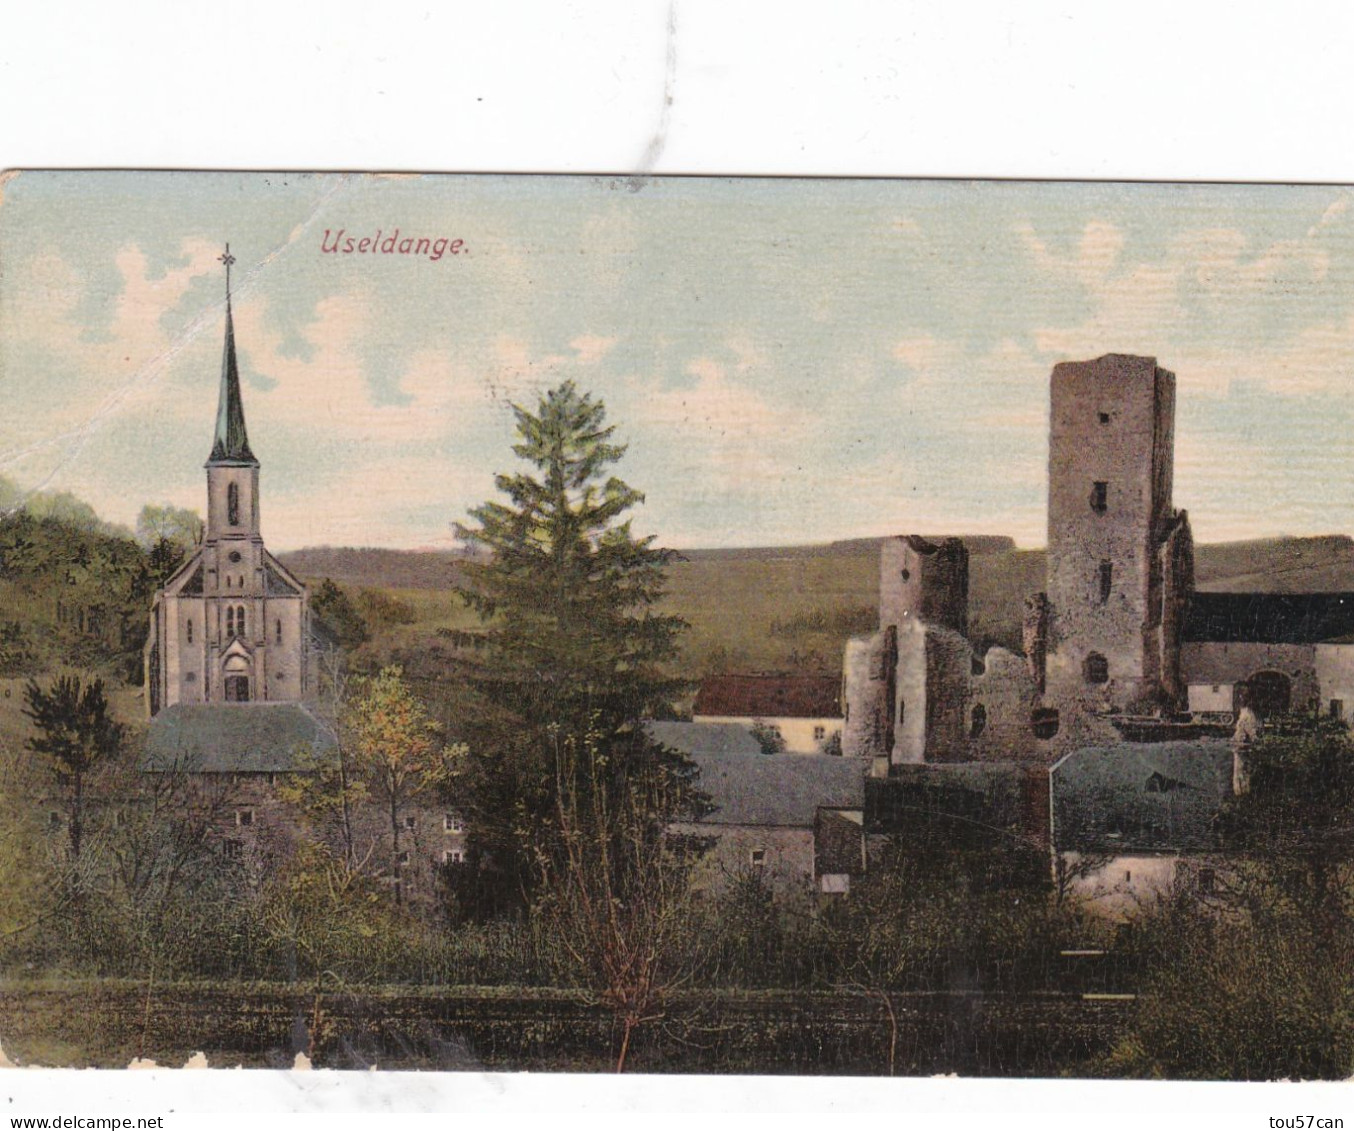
231 443
234 738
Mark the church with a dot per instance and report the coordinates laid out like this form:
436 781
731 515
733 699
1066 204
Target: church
232 625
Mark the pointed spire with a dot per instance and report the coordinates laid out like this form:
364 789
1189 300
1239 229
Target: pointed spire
231 444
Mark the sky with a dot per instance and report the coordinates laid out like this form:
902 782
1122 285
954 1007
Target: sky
788 360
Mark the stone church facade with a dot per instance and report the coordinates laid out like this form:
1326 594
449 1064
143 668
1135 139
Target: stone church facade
232 625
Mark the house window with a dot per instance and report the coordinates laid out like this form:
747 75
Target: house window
233 504
411 822
1337 708
189 628
1044 721
1100 493
53 820
1106 580
452 823
272 779
977 721
453 856
757 857
1096 669
233 849
244 818
819 733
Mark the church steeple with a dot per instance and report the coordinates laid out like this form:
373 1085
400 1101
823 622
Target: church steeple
231 443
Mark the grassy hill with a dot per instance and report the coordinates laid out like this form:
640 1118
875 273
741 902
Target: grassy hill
792 607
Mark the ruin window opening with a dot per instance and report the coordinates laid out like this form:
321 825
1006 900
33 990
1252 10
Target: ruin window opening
907 575
1104 418
244 818
1106 581
1100 493
757 857
1096 668
1045 721
977 721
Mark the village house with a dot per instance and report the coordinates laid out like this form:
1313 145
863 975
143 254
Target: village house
803 710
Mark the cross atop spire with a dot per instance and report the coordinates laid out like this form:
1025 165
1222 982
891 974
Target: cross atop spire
228 260
231 442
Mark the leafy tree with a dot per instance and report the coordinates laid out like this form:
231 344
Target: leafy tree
768 737
337 615
179 526
397 751
76 732
575 649
1292 833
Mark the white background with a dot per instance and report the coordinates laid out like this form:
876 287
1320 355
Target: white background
1142 90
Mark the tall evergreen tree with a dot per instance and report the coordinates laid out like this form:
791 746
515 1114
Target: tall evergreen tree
576 650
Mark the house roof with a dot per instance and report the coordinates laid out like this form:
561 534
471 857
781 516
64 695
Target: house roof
778 789
704 738
221 738
770 697
1149 797
1269 618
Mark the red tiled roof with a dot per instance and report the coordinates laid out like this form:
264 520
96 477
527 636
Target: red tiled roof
770 697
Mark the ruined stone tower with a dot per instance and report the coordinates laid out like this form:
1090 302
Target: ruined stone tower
1120 560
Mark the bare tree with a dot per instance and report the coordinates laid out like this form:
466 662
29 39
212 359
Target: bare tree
619 903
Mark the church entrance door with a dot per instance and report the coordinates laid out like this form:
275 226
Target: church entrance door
237 689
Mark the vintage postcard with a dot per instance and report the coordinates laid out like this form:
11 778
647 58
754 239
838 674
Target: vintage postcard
677 625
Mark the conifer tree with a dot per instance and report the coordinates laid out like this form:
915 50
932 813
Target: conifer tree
575 644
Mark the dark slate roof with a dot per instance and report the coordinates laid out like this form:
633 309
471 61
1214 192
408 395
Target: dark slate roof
231 442
276 584
968 804
778 789
838 844
770 696
222 738
704 738
1158 797
1269 618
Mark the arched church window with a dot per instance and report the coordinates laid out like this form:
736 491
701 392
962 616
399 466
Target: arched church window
239 619
230 621
279 630
190 631
902 708
233 504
